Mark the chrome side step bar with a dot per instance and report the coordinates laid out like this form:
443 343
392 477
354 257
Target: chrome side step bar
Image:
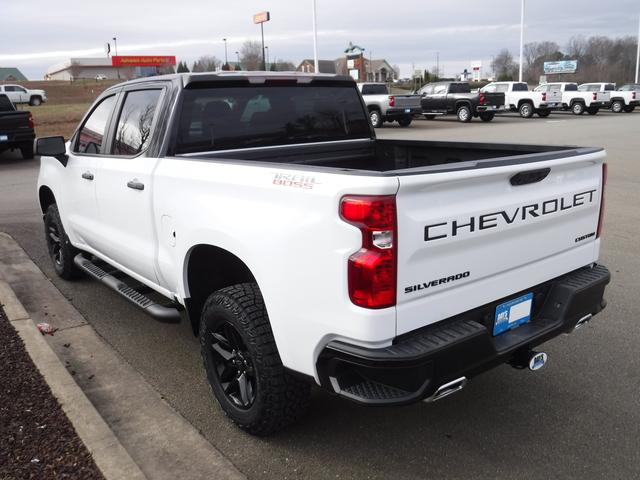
447 389
162 313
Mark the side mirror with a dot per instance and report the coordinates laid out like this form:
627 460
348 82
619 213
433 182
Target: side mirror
52 147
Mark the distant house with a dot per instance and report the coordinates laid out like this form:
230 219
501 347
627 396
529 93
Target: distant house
375 70
325 66
10 74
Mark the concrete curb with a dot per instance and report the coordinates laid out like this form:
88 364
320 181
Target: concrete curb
111 458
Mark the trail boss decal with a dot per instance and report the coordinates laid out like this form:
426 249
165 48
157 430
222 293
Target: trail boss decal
435 283
521 214
294 180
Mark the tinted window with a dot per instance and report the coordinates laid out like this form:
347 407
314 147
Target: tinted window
92 132
374 90
609 87
10 89
572 87
520 87
134 125
460 88
256 116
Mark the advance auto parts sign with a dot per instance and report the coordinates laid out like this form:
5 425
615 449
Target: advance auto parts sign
142 60
563 66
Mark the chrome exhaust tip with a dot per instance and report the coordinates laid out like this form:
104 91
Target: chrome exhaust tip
582 322
447 389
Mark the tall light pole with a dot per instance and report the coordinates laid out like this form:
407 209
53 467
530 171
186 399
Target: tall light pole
437 65
238 57
115 45
266 48
521 41
261 18
226 61
638 52
315 38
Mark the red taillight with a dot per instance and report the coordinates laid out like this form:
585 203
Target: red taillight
31 124
392 101
372 269
604 184
483 98
595 96
544 96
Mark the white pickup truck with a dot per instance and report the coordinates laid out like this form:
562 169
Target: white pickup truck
624 99
518 98
578 99
19 94
304 251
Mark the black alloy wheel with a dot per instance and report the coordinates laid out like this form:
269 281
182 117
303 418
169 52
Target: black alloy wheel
233 366
54 244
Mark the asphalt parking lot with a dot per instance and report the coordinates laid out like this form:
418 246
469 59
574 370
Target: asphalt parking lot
577 418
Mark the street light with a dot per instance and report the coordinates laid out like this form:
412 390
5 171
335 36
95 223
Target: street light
521 40
115 44
315 38
261 18
266 48
238 56
638 52
226 62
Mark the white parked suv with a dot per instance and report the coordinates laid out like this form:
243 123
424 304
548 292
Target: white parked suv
518 98
19 94
304 251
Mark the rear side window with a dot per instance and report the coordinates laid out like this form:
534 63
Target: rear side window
520 87
230 117
92 132
460 88
572 87
609 87
374 90
133 132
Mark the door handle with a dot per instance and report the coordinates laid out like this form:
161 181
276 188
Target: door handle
87 176
135 184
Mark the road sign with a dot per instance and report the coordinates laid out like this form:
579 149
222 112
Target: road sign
261 17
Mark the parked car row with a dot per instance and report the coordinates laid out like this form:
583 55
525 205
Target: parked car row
457 98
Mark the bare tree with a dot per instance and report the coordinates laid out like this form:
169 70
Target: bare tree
206 63
504 66
251 55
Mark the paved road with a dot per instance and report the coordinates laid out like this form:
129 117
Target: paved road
578 418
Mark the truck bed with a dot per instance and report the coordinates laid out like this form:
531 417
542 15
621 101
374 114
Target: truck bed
398 157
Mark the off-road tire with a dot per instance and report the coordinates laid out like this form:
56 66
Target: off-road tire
35 101
279 398
487 116
577 108
26 149
464 113
526 110
405 121
61 252
376 118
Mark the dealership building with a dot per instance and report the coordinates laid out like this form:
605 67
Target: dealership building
115 67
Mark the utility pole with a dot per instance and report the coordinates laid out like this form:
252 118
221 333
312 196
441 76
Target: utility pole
315 38
267 63
437 65
115 45
521 41
638 52
261 18
226 61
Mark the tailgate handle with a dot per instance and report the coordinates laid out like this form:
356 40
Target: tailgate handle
530 176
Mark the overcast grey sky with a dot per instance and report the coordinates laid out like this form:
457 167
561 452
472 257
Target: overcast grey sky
35 34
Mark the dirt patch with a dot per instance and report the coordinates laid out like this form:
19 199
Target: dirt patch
37 439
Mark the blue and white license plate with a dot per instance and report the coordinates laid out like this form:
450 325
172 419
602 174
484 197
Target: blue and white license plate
407 110
4 138
513 313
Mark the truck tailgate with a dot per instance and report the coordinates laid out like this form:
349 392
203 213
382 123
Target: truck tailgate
407 101
487 231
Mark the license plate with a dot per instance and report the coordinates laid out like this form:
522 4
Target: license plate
407 110
512 314
4 138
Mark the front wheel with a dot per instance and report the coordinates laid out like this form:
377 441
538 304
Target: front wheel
526 110
35 101
59 247
243 365
405 121
487 116
577 108
617 106
376 118
464 113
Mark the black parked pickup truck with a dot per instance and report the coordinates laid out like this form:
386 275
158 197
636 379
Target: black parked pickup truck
444 98
16 129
